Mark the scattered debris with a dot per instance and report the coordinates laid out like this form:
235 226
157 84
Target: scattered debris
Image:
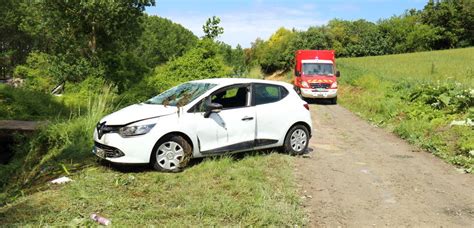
467 122
461 170
61 180
59 89
101 220
306 197
365 171
15 82
306 156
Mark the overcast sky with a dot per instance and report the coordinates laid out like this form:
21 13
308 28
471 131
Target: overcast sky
245 20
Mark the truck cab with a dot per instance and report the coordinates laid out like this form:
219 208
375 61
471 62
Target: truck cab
316 74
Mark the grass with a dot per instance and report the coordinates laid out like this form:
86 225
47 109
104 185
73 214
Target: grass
416 96
255 190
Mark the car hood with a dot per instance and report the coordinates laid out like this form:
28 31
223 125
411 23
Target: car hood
137 112
320 79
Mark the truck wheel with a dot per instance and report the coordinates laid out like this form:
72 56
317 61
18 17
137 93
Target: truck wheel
296 140
334 100
171 154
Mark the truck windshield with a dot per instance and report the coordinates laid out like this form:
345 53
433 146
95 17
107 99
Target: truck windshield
181 95
317 69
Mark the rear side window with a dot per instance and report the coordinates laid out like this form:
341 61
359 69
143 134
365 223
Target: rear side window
266 93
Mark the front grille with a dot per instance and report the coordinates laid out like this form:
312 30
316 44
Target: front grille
104 129
109 151
320 85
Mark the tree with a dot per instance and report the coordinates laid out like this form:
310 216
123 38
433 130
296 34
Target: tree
162 40
100 32
405 34
200 62
453 20
356 38
212 29
15 44
274 51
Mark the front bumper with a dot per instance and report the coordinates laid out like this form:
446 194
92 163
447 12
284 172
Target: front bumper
117 149
318 93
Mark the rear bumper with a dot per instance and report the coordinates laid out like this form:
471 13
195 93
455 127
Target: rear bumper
312 93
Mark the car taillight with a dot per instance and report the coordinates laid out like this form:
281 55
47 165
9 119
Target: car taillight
306 106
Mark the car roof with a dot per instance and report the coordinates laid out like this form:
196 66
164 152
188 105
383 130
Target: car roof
231 81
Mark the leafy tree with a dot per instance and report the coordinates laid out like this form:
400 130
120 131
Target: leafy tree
200 62
453 20
356 38
405 34
212 29
15 44
238 61
162 40
274 56
313 38
97 31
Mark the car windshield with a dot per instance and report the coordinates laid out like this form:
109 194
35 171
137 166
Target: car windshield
317 68
181 95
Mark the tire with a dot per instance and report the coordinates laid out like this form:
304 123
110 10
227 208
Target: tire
171 154
334 100
296 140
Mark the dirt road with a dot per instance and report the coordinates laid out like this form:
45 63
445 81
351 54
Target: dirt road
360 175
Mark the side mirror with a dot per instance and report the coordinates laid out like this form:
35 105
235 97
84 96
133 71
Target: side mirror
297 73
338 74
212 108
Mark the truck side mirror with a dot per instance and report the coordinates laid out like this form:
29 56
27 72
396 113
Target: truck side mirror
297 73
338 74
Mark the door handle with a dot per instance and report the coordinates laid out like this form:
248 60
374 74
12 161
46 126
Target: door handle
247 118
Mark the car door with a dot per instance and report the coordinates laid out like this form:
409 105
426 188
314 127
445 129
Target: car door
231 129
271 113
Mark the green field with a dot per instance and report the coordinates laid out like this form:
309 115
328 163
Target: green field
417 96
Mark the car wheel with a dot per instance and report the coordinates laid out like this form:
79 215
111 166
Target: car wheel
171 154
296 141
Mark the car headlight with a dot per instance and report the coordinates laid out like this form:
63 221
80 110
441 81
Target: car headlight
305 84
334 85
135 130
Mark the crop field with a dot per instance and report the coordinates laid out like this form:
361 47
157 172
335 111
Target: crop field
418 96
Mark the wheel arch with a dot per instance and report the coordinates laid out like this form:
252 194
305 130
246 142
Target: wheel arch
306 125
185 136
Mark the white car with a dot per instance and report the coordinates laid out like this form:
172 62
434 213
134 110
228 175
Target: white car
204 118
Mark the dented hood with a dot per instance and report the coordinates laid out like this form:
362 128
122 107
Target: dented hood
137 112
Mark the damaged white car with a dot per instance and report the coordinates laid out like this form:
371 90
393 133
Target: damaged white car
204 118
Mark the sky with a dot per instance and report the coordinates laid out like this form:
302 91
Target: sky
246 20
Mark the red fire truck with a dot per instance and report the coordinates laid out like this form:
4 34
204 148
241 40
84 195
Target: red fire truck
316 75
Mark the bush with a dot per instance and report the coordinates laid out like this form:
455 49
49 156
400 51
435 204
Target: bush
24 104
36 72
451 97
